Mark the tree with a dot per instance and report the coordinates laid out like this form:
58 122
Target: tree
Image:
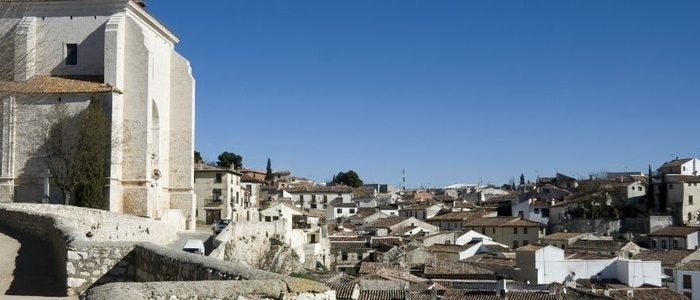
268 171
228 159
351 178
198 157
522 179
76 161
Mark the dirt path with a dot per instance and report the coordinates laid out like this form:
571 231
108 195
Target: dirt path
24 269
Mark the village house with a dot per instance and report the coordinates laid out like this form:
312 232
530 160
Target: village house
422 211
317 196
252 188
682 166
112 50
683 193
671 262
218 192
620 248
547 264
398 225
561 240
674 237
511 231
456 220
688 282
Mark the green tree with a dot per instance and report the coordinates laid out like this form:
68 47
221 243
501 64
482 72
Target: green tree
198 157
349 178
522 179
650 193
268 170
228 159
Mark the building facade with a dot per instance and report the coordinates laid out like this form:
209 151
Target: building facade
66 54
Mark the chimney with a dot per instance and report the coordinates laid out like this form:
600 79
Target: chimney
501 290
25 47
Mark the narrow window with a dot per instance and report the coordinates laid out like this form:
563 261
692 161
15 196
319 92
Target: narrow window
687 281
515 230
525 230
218 177
690 200
71 54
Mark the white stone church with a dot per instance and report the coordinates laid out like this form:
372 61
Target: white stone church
67 52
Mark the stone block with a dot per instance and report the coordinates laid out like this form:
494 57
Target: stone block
77 255
75 282
70 268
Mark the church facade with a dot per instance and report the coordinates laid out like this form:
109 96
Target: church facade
65 53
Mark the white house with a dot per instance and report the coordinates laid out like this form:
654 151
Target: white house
674 237
688 282
218 192
65 53
547 264
317 196
683 194
339 209
682 166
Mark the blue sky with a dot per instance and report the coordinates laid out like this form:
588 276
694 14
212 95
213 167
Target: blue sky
450 91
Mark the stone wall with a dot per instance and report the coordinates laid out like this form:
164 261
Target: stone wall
251 289
96 263
91 252
250 241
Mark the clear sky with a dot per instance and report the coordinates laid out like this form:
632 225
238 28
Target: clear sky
450 91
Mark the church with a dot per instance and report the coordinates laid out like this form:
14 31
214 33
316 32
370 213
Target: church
66 53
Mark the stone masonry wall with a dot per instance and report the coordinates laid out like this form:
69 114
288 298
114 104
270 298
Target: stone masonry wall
97 263
251 289
250 241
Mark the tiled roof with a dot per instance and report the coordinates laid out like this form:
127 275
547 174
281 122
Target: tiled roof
453 294
679 231
693 265
449 248
485 259
45 84
348 238
342 290
386 240
248 178
598 245
647 294
684 178
374 267
498 248
561 236
587 255
503 222
446 267
530 248
667 258
466 216
343 245
675 163
382 295
388 222
319 189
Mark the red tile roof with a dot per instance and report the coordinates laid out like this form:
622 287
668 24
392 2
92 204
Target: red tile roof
45 84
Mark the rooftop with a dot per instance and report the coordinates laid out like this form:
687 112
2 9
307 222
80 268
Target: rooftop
678 231
693 265
503 222
46 84
667 258
319 189
446 267
562 236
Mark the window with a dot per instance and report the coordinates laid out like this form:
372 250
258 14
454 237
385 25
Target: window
483 230
352 210
216 195
313 205
516 245
525 243
675 244
493 230
343 256
218 178
663 244
687 281
653 244
515 230
545 212
690 200
670 186
71 54
449 224
524 230
639 188
339 210
537 211
275 218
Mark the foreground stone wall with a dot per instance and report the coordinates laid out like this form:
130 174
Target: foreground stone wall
90 260
97 263
251 289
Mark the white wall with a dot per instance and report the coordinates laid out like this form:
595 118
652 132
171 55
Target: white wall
695 279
